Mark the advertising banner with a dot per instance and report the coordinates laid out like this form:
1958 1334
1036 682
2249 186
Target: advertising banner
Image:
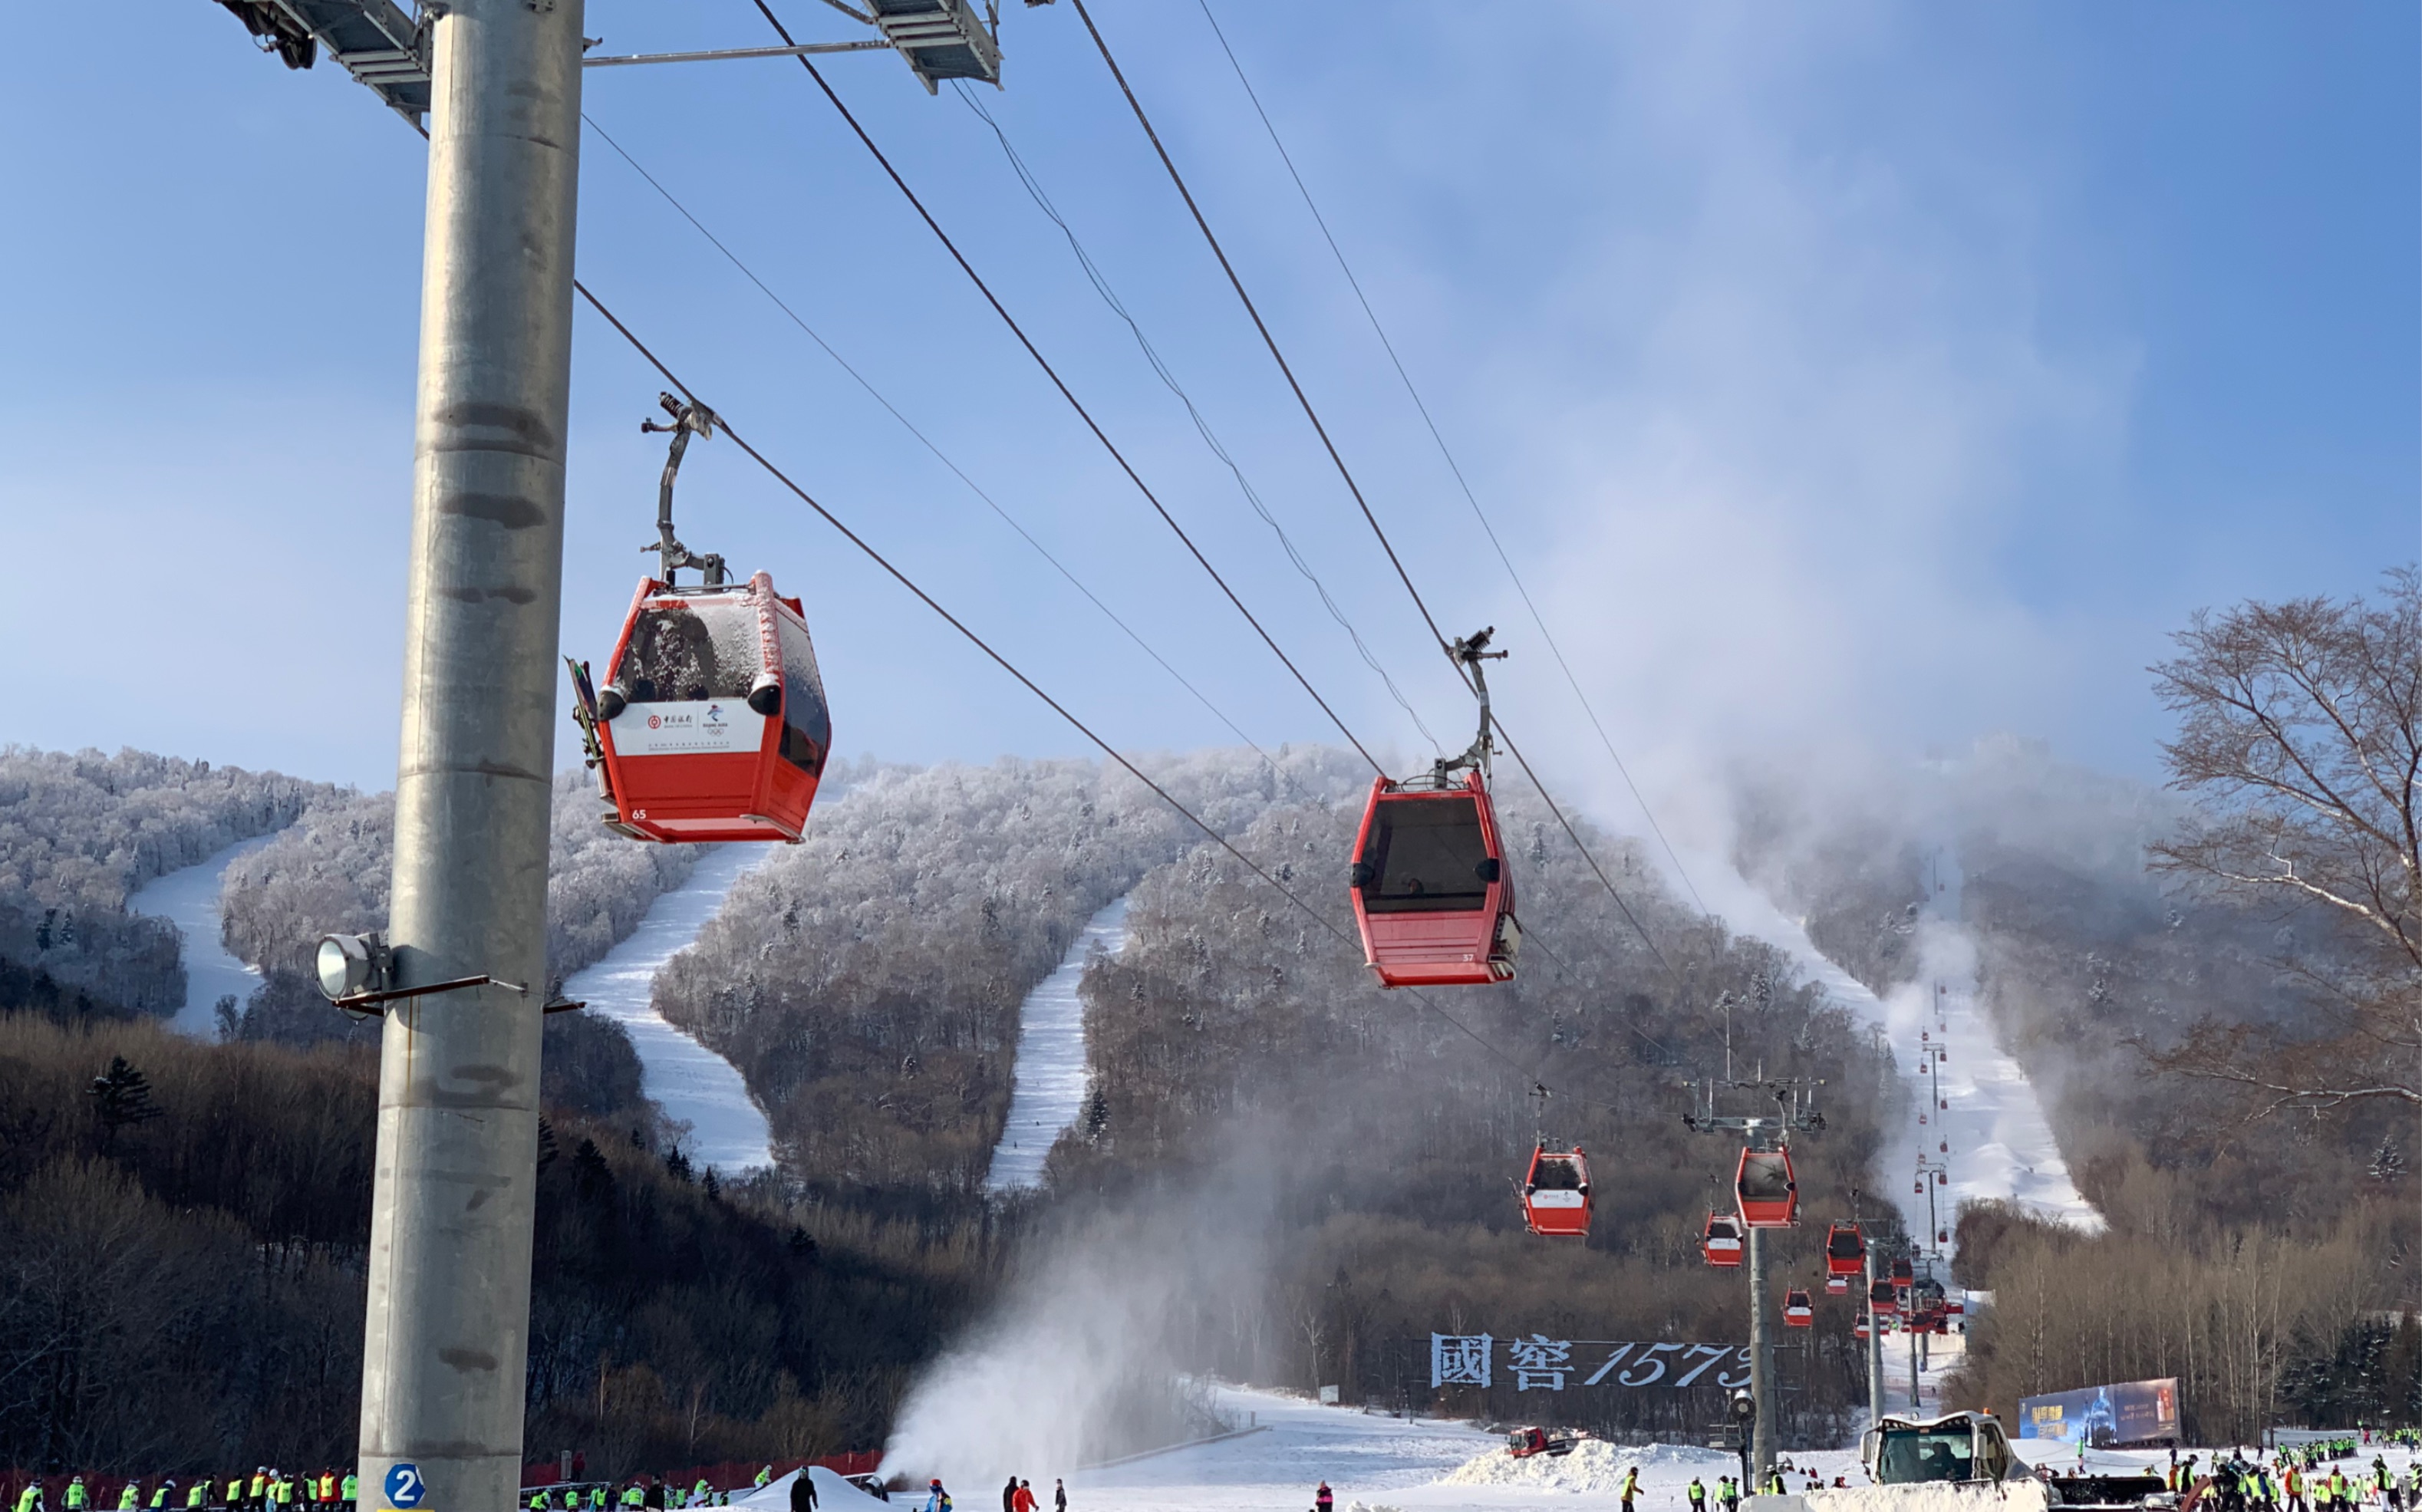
2135 1411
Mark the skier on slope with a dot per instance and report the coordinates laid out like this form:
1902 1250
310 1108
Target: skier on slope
803 1491
1630 1487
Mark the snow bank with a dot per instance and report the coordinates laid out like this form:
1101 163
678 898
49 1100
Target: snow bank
1594 1467
834 1494
2026 1494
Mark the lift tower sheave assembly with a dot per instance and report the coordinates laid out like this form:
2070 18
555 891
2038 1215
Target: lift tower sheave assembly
447 1338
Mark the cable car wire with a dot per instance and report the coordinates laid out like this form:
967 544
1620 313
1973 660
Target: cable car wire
1448 454
1311 414
723 419
1065 392
939 455
1203 427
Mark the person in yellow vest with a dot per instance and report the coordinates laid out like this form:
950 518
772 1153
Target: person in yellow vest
763 1475
198 1496
129 1496
30 1499
159 1502
538 1501
259 1496
632 1495
701 1493
77 1498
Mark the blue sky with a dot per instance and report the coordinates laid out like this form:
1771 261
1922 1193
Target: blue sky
1868 375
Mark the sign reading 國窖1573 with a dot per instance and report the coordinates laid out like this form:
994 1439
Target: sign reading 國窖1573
1539 1363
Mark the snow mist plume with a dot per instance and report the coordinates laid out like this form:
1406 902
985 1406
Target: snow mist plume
1074 1366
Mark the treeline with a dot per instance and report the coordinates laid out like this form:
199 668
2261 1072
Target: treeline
183 1278
330 873
2262 1325
1237 1045
867 982
81 831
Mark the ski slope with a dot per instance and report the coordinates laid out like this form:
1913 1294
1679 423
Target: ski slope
1048 1087
189 899
2000 1143
695 1086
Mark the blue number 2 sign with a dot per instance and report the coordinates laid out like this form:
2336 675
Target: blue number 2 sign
404 1487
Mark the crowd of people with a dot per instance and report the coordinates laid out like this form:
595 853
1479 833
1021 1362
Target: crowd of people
266 1489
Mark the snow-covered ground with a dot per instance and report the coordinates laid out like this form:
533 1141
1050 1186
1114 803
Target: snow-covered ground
189 899
728 1131
1422 1465
1372 1461
1049 1088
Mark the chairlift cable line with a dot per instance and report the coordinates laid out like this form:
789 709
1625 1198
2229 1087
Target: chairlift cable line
724 423
1066 393
1447 453
1311 414
1101 283
939 455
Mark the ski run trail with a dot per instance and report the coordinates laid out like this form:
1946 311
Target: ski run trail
1976 1118
189 899
695 1086
1049 1075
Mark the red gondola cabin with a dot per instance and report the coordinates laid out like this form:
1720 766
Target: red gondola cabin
1837 1285
1769 1194
1798 1311
1556 1193
1904 1274
1884 1298
1846 1251
1432 896
1723 1240
713 724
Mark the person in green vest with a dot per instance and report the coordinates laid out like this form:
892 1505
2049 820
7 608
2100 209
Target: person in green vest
30 1499
701 1494
77 1498
347 1489
633 1495
597 1497
159 1502
198 1496
538 1501
763 1475
129 1496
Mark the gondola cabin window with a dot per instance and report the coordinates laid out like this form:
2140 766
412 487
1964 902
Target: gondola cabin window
690 651
807 724
1427 856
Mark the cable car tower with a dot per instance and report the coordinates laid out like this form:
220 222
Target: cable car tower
495 86
1768 1195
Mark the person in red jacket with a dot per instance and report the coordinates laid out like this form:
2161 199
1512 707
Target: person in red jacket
1023 1500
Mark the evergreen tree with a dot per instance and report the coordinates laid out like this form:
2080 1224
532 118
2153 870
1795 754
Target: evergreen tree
120 1095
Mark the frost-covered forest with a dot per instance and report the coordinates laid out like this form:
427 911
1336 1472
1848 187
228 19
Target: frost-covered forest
330 873
80 831
867 982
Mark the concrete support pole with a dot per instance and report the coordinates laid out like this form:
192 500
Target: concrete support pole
449 1261
1875 1344
1761 1365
